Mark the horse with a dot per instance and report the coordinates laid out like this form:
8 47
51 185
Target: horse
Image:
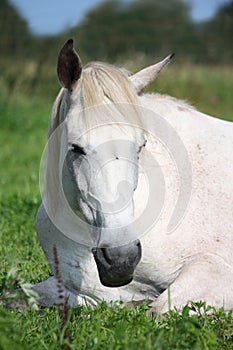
137 193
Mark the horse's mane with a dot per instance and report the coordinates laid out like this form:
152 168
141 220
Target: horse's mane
105 92
101 80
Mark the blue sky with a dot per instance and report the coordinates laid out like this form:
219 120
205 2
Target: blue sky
52 16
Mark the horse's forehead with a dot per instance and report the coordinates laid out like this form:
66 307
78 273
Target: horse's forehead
100 133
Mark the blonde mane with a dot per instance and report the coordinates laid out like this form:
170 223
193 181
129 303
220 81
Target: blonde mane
102 80
101 85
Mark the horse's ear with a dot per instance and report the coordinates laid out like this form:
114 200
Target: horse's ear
147 75
69 66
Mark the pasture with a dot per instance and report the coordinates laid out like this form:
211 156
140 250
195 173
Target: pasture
25 106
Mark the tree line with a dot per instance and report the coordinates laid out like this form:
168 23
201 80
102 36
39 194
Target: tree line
117 29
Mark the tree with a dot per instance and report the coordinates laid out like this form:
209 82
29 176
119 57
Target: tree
153 27
222 28
216 35
14 30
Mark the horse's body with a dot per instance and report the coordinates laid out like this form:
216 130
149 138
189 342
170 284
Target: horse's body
196 258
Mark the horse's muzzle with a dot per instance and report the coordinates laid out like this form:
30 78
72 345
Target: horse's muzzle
116 265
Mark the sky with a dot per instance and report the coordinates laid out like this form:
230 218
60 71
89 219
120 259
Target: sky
47 17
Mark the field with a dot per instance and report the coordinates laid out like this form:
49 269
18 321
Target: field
25 105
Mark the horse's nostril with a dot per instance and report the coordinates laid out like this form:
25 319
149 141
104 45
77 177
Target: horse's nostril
106 256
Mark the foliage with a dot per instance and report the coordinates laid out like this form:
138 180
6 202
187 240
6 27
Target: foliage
23 296
141 26
10 334
14 30
155 27
116 29
215 36
117 327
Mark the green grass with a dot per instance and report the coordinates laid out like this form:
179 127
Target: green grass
24 118
120 328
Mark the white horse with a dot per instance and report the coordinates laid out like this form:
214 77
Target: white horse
131 222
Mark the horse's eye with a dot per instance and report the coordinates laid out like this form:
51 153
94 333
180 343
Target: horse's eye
144 145
78 150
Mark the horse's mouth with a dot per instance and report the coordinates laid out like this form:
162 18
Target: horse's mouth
115 283
116 265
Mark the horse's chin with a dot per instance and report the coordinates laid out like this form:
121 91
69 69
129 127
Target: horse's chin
107 282
116 265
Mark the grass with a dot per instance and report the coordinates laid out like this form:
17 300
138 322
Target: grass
24 118
119 328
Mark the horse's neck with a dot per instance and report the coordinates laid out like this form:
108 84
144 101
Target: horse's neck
166 107
180 114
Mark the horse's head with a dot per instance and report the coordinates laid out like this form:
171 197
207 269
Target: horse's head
104 147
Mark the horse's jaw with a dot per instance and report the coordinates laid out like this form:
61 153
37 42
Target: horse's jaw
116 265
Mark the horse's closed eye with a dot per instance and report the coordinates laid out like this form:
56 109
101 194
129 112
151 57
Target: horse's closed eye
144 145
78 150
